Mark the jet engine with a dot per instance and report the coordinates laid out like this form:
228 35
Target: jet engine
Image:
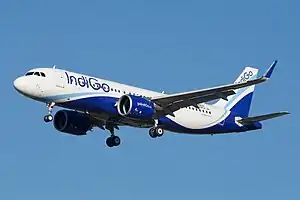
135 107
72 122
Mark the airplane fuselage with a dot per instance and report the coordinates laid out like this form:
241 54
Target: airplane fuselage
98 97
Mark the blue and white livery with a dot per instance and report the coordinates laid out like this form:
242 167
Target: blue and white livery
90 102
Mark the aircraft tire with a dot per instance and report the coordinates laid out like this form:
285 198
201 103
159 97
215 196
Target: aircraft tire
152 133
48 118
113 141
159 132
116 140
109 142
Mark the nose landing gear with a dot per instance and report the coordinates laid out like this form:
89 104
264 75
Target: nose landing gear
49 117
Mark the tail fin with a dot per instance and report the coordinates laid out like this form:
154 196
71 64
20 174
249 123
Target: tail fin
240 102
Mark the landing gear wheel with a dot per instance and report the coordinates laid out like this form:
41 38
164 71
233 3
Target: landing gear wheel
113 141
159 132
156 132
109 142
116 140
48 118
152 133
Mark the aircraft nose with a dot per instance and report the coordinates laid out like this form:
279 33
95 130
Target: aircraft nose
27 87
18 84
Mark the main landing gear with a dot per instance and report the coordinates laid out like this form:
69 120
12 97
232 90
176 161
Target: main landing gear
113 140
156 132
49 117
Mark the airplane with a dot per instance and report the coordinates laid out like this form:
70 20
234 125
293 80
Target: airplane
88 102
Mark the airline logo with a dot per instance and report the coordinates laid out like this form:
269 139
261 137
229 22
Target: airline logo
245 77
87 82
144 105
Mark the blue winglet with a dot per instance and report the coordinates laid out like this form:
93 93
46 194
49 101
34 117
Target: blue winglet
270 70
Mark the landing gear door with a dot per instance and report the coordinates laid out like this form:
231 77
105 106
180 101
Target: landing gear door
60 79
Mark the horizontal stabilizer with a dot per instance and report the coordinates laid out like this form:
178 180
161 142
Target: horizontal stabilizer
250 120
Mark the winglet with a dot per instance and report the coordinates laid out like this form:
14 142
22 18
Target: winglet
269 72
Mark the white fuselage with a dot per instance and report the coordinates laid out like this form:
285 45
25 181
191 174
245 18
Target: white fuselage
62 86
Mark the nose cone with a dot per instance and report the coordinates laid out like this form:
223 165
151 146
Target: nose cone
28 86
19 85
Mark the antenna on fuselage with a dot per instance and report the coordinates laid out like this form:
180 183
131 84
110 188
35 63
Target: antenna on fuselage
54 66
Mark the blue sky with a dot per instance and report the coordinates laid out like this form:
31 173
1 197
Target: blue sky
173 46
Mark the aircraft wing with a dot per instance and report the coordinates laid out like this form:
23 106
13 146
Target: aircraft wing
173 102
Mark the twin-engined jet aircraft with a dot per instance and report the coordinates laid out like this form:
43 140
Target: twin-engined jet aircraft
91 102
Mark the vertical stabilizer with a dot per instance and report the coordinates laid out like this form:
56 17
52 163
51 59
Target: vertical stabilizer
240 102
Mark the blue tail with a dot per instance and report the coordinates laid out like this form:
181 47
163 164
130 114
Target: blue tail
240 102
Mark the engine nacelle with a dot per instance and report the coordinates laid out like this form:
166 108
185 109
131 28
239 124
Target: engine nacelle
72 122
135 107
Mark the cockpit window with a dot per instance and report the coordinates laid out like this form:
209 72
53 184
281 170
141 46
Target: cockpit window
29 74
36 74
